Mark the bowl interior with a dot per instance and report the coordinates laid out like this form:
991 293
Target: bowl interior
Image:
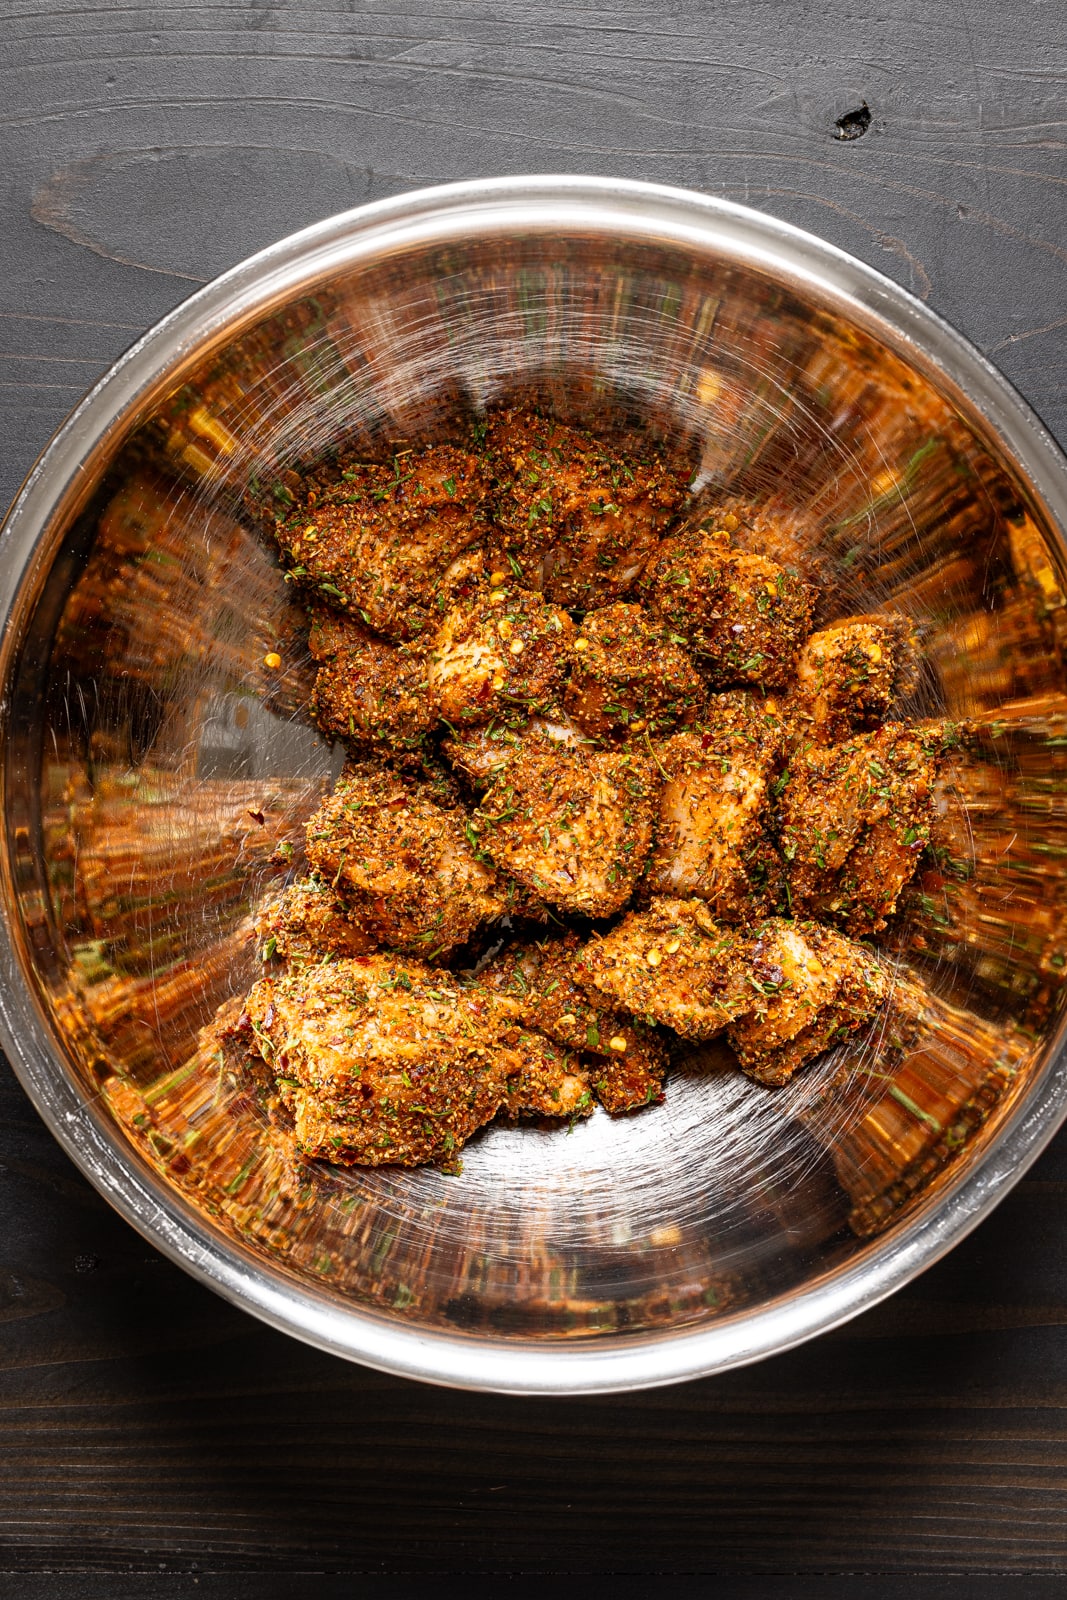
154 764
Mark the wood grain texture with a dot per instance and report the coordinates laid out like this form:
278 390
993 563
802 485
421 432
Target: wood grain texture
198 1585
145 1425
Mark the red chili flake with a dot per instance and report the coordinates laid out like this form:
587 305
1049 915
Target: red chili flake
257 816
268 1018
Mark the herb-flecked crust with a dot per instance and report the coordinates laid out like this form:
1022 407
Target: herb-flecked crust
855 820
380 1059
745 617
631 674
574 828
380 540
573 517
599 765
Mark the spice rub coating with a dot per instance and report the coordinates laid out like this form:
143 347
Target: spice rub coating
712 835
631 673
537 983
403 862
578 519
855 820
636 724
671 964
500 652
632 1079
573 827
380 541
849 675
380 1059
310 920
811 988
745 617
550 1082
481 752
368 692
783 991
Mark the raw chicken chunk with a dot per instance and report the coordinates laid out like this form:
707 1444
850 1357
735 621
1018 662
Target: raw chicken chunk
380 1059
537 983
855 820
631 673
849 675
504 651
483 752
711 836
308 921
672 964
381 540
551 1081
812 988
404 863
576 519
368 692
573 827
744 616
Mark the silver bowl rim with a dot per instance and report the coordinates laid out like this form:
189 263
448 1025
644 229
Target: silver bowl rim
63 475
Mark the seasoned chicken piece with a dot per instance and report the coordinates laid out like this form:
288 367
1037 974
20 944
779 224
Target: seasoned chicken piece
672 964
503 651
849 674
310 921
631 1079
380 1059
536 982
785 992
811 989
368 692
855 819
380 541
577 519
482 752
404 863
711 837
744 617
631 672
551 1082
574 827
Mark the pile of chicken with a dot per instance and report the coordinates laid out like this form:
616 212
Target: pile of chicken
605 788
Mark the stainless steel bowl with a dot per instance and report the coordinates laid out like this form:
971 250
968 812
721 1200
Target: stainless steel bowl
151 763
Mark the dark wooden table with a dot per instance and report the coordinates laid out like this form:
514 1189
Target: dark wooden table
145 1427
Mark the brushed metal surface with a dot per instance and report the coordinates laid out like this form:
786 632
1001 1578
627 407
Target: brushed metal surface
143 736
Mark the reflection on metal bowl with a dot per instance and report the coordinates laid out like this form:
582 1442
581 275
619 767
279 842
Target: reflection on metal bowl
158 766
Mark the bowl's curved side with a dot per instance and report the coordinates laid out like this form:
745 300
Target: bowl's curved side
61 486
